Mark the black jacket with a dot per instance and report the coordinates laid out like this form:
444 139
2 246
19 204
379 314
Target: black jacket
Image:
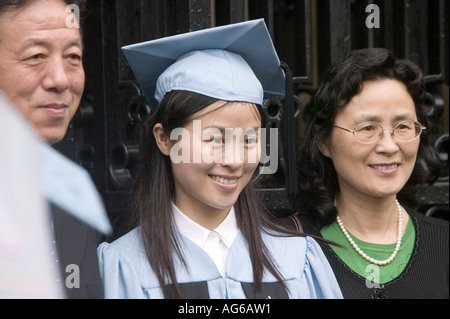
77 245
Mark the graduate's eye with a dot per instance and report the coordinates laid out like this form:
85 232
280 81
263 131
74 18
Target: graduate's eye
216 139
250 140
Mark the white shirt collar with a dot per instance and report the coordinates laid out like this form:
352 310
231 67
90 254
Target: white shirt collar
227 230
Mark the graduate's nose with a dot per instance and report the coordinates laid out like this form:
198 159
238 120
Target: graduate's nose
233 155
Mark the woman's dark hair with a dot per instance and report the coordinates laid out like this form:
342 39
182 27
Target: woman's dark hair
154 191
318 182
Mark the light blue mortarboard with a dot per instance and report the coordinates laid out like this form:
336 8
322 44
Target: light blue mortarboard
235 62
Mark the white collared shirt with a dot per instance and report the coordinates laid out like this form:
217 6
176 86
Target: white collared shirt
216 243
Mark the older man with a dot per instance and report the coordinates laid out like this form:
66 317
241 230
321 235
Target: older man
41 69
41 73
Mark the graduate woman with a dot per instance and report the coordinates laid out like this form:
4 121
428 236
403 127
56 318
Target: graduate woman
201 232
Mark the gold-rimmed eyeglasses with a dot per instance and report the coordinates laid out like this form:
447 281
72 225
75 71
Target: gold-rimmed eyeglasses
371 132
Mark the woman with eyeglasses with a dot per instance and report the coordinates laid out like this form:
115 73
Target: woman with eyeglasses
364 153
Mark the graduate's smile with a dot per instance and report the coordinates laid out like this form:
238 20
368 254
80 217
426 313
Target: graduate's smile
226 182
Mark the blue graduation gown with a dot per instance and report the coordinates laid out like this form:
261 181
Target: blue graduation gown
126 272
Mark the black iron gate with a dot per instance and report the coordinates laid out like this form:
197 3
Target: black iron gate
308 34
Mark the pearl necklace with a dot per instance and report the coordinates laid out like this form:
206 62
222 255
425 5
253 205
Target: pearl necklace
359 251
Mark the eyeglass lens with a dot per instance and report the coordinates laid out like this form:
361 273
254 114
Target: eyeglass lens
404 131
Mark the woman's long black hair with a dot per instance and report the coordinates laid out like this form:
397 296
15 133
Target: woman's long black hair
317 178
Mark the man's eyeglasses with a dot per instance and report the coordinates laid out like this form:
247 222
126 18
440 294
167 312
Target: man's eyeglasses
370 132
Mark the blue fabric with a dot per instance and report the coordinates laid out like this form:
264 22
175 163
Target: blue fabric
70 187
126 273
215 73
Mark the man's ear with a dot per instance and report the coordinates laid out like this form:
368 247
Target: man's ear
162 140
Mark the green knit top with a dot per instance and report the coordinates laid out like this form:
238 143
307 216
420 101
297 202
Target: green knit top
374 273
